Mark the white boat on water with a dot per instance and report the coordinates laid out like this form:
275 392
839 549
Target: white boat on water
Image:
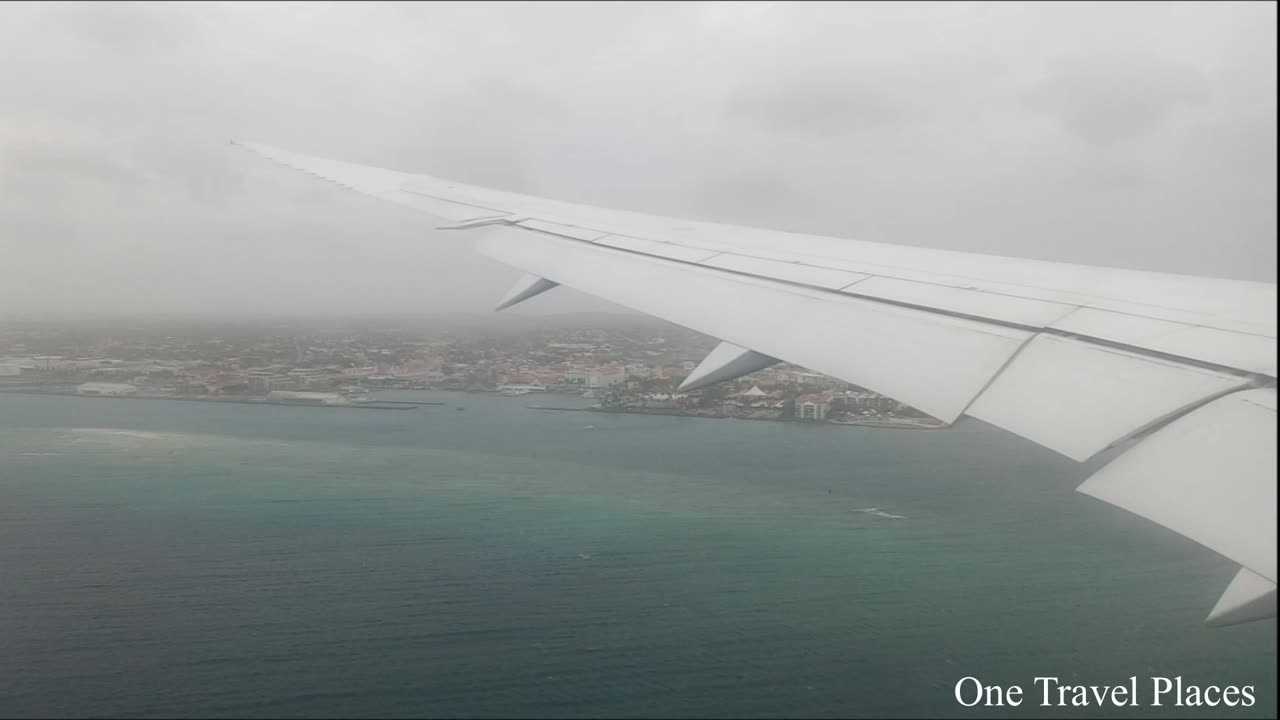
879 513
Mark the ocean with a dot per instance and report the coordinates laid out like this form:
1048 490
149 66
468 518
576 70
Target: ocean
184 559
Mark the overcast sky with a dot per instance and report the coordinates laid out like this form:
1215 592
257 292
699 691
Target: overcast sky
1141 135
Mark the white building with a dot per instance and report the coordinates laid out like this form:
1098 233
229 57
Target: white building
107 389
812 407
661 400
868 401
638 370
260 381
605 377
49 362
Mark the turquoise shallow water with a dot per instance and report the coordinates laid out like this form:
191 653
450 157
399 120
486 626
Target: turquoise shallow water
163 559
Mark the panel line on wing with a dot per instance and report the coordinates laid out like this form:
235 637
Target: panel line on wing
1022 346
799 285
855 282
1008 288
927 360
1194 362
1187 409
1079 398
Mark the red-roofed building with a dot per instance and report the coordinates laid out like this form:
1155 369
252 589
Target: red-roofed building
813 406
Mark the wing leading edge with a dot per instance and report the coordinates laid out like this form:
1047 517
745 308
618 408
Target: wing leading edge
1179 370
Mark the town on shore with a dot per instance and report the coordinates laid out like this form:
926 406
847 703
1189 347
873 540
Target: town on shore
625 363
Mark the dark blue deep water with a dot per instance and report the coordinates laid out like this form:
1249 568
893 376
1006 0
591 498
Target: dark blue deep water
168 559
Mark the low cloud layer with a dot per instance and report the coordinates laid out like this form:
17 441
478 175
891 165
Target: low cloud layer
1141 135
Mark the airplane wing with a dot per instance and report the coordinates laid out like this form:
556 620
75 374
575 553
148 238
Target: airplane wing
1178 372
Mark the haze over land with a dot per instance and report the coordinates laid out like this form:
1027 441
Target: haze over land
1140 135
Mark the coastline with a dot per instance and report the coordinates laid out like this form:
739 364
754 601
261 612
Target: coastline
883 423
373 405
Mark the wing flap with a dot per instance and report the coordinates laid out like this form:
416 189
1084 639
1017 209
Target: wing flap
1210 475
1078 398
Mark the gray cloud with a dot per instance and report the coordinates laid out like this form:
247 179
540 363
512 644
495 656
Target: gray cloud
823 103
1140 135
1111 99
64 161
128 28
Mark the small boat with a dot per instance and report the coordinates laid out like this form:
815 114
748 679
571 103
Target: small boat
589 427
459 408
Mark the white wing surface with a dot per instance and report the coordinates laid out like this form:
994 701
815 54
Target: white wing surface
1179 370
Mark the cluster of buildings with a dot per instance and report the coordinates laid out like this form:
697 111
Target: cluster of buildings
757 398
627 369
